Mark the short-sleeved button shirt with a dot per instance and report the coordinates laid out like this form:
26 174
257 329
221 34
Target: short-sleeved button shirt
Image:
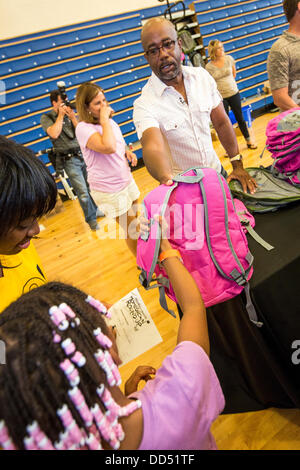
66 141
186 126
284 65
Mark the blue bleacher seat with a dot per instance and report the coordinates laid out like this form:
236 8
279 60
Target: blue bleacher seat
252 17
29 136
265 14
249 29
126 128
131 138
123 116
237 21
250 6
264 3
206 17
235 10
204 6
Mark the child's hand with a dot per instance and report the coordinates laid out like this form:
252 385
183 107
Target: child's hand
140 373
144 225
131 157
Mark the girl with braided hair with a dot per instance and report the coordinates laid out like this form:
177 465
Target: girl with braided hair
59 388
27 192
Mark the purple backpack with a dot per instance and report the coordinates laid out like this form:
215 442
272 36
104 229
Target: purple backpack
205 228
283 141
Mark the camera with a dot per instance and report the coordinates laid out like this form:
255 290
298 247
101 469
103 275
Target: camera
62 90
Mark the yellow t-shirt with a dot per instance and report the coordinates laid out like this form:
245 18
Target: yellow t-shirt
25 274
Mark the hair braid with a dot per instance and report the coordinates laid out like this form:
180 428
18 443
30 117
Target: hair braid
69 402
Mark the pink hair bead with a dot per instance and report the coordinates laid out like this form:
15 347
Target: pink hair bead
67 366
119 432
102 339
65 415
99 355
69 423
8 444
115 444
45 444
74 378
56 337
129 409
101 422
65 440
5 439
80 404
100 390
68 346
39 436
93 443
75 432
60 445
30 444
79 359
97 305
72 435
108 399
58 318
113 367
67 310
33 429
70 372
75 396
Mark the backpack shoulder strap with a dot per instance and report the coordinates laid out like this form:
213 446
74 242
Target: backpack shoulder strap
234 269
149 244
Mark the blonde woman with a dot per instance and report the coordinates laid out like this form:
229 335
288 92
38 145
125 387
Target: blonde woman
222 68
104 151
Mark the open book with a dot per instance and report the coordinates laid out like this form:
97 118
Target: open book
136 331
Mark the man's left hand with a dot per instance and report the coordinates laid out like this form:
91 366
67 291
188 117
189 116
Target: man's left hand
248 183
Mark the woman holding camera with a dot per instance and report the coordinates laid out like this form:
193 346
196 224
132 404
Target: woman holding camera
104 151
222 68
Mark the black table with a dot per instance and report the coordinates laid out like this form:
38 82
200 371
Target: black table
254 365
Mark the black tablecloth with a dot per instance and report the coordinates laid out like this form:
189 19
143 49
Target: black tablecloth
254 365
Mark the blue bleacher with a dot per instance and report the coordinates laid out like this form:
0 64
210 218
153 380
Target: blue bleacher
64 38
47 58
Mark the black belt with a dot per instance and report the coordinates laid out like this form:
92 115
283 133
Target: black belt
70 153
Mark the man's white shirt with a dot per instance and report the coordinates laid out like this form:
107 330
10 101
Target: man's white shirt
185 126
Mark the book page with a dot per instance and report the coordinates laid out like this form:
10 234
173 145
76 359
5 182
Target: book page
136 331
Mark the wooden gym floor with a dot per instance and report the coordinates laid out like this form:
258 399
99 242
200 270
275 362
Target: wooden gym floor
103 266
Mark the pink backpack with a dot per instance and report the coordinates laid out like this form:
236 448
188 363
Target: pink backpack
283 141
205 228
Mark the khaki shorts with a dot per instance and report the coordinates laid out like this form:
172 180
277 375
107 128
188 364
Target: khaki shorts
116 204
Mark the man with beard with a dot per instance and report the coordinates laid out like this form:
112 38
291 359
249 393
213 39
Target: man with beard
172 116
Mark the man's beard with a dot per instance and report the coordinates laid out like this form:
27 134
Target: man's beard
169 75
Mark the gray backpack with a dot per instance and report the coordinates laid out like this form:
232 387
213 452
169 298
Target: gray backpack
271 194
